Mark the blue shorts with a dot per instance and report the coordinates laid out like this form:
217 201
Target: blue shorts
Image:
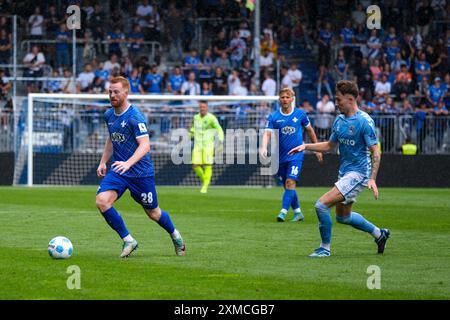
290 170
142 189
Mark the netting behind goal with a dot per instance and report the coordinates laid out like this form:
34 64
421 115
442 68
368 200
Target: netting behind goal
68 134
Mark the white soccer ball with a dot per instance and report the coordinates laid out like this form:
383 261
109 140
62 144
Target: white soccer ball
60 248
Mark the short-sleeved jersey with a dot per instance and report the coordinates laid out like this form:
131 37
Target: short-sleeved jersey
290 128
124 130
204 130
355 135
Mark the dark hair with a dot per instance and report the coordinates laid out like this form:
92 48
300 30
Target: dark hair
347 87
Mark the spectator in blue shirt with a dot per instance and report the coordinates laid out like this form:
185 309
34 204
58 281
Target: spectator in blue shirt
135 82
325 41
440 127
341 66
53 86
348 37
114 40
436 92
101 72
176 80
423 69
62 47
192 62
153 81
135 39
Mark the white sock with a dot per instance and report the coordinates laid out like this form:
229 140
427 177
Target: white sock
376 233
128 238
325 246
175 234
283 211
297 210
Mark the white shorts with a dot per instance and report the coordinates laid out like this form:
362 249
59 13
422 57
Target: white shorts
350 185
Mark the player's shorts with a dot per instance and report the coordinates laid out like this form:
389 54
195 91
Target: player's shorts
141 189
290 170
203 155
350 185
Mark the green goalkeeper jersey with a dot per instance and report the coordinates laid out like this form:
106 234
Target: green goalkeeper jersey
204 130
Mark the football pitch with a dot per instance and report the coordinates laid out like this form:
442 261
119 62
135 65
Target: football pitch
235 247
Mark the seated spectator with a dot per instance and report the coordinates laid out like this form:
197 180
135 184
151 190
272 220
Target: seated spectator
376 69
68 85
34 62
266 60
135 82
101 72
153 81
233 81
396 65
176 80
436 92
143 12
52 85
5 85
240 89
191 86
404 73
97 86
219 82
296 77
85 79
246 73
382 88
112 63
192 62
223 62
402 88
206 89
244 32
269 86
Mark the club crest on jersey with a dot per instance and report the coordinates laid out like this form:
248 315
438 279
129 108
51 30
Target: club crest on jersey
117 137
351 130
288 130
295 119
123 124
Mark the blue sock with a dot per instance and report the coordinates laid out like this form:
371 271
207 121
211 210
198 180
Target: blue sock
356 221
295 204
325 222
116 222
287 198
165 222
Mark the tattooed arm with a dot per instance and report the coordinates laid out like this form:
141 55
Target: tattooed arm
376 158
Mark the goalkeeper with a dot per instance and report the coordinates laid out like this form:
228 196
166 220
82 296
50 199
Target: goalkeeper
204 129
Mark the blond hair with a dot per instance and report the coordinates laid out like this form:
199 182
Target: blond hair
287 90
124 81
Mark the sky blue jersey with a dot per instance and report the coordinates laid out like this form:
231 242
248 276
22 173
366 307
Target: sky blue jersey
355 135
124 130
290 128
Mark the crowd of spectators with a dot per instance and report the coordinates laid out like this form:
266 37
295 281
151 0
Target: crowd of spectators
403 67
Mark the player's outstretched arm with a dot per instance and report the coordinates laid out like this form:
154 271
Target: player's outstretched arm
312 136
265 142
376 158
318 147
107 152
143 148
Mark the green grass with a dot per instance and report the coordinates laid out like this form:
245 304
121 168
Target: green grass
236 250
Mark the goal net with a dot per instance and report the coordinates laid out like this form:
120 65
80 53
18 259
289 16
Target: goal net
68 135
